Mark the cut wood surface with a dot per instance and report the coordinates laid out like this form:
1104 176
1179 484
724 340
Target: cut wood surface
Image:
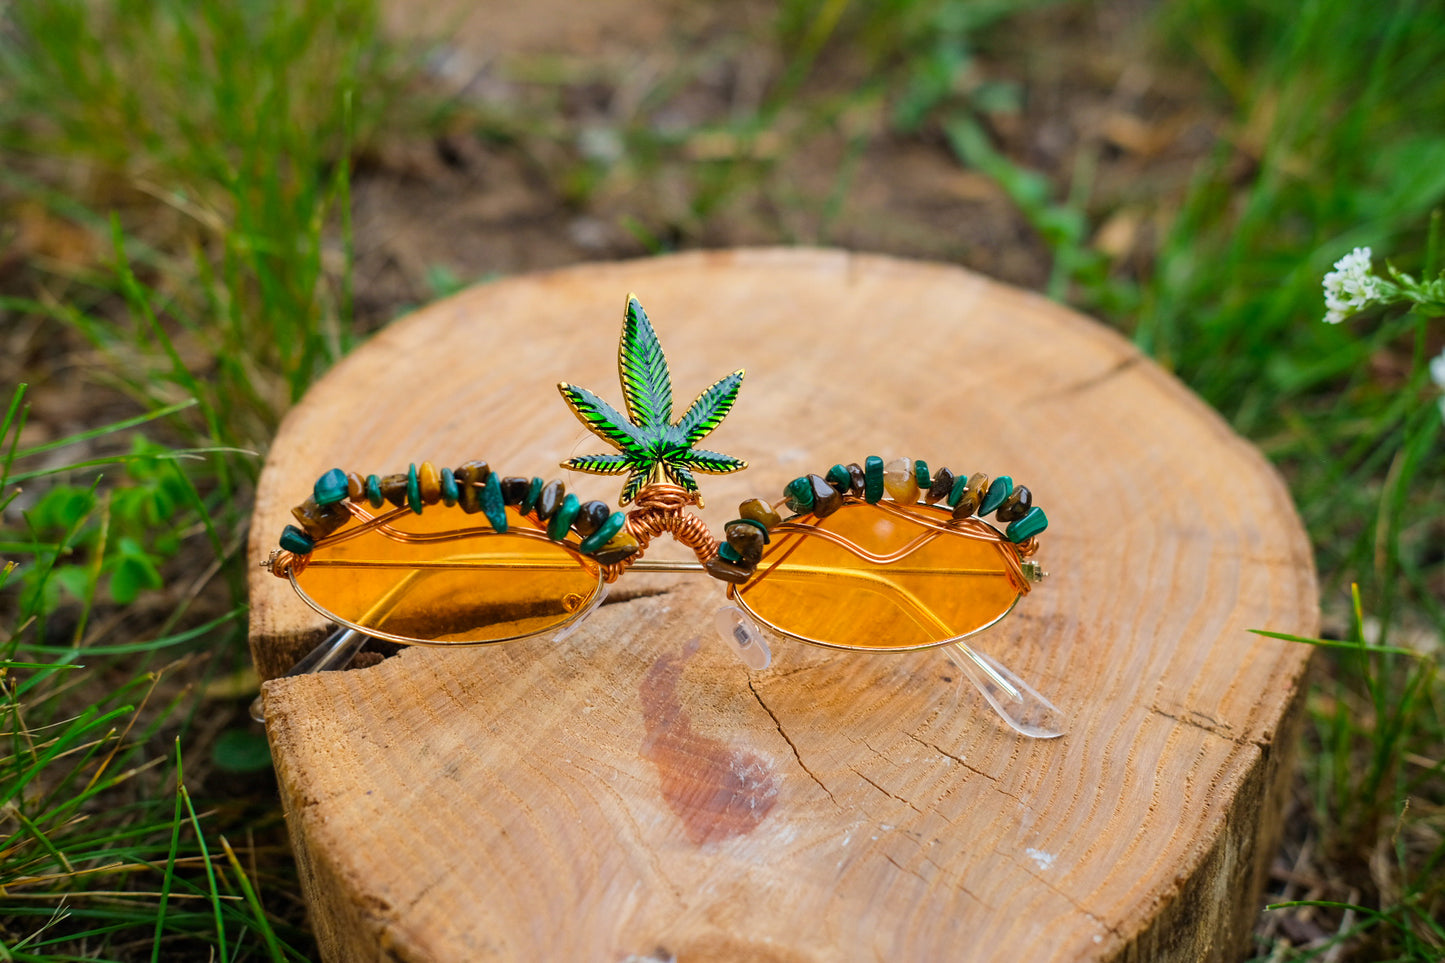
634 792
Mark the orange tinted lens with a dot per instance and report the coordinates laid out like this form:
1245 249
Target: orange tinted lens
411 580
906 581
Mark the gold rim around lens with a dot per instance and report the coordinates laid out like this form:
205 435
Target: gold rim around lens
446 578
882 578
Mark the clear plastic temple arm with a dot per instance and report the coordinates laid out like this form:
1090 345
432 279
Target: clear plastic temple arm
334 652
1016 702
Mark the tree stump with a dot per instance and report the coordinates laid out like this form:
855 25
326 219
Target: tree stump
634 793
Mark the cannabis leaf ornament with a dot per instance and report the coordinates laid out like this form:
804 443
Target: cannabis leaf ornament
651 447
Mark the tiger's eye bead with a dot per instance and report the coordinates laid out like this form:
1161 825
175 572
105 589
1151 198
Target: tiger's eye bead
1002 487
448 484
374 498
330 488
430 481
967 505
799 495
355 486
534 492
551 499
872 479
1016 506
413 490
476 470
318 521
942 486
393 488
747 538
840 479
622 545
972 495
561 522
760 512
296 541
1033 522
493 506
469 492
514 489
920 475
900 482
604 532
855 472
826 498
590 517
720 568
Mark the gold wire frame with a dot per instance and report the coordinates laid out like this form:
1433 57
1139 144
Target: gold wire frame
934 528
661 508
291 566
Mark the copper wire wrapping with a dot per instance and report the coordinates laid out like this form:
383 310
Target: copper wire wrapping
660 508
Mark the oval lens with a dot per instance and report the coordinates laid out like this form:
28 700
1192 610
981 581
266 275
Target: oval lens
876 577
445 577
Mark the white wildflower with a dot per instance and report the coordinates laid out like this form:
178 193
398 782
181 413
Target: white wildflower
1437 375
1350 287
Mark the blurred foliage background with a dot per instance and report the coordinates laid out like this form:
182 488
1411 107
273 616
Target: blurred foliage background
203 204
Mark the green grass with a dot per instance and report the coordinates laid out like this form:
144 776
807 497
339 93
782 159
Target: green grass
205 151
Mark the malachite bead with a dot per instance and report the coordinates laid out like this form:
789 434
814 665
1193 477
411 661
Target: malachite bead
430 481
393 488
296 541
855 471
450 492
826 498
550 499
1016 506
799 495
872 479
1002 487
942 486
590 517
839 478
355 486
514 489
622 545
960 482
729 554
561 522
534 492
899 481
920 475
330 488
720 568
318 521
492 505
757 510
413 490
604 533
374 498
1033 522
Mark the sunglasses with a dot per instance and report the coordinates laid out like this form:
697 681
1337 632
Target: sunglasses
869 557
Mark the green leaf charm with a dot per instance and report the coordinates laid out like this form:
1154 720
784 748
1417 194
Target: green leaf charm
651 447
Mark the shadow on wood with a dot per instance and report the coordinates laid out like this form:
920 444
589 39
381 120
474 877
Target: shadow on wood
634 792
